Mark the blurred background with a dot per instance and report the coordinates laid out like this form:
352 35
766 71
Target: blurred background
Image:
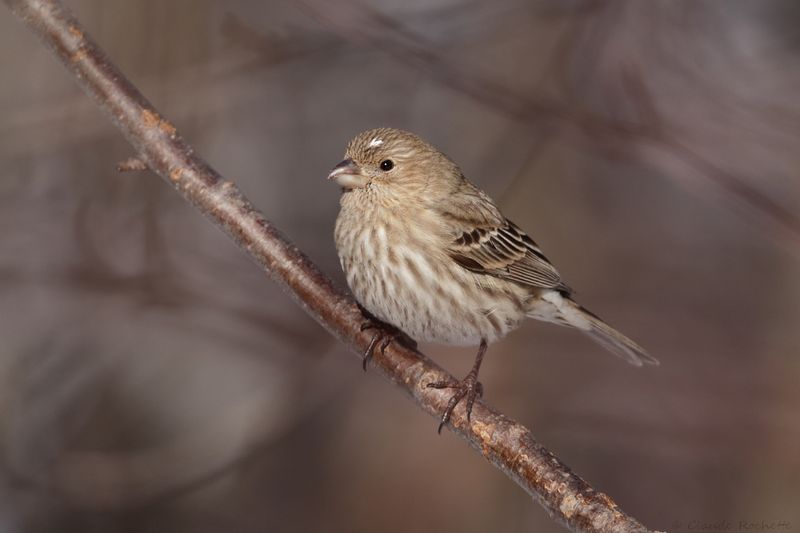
152 379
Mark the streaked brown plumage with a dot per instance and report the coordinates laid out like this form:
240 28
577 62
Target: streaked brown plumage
426 251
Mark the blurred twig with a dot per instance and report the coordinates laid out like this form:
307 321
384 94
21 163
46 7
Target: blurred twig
132 164
506 444
358 22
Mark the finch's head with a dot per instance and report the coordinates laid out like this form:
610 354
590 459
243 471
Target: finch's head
386 159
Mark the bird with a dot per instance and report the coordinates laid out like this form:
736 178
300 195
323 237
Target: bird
431 257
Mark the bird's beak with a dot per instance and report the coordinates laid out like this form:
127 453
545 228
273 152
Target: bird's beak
348 175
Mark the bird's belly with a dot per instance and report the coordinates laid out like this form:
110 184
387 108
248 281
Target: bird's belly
430 298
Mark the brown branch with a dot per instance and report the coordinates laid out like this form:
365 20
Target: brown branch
506 444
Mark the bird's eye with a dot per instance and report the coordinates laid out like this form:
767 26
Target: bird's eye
387 165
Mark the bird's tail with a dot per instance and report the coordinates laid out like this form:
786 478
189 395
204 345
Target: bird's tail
569 313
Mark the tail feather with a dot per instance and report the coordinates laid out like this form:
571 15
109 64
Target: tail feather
570 313
615 342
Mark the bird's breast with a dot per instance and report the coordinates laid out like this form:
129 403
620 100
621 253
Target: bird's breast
400 275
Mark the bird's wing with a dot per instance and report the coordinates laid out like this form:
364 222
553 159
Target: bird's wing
506 252
485 242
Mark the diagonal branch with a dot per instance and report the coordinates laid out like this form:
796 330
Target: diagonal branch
506 444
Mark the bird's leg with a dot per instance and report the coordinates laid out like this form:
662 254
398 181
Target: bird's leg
468 387
384 335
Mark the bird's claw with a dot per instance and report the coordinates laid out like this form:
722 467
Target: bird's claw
384 335
468 387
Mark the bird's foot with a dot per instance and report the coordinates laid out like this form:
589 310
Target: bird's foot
384 336
469 388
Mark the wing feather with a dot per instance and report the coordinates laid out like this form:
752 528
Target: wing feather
504 251
485 242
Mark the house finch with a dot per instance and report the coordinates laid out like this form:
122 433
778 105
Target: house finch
426 251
